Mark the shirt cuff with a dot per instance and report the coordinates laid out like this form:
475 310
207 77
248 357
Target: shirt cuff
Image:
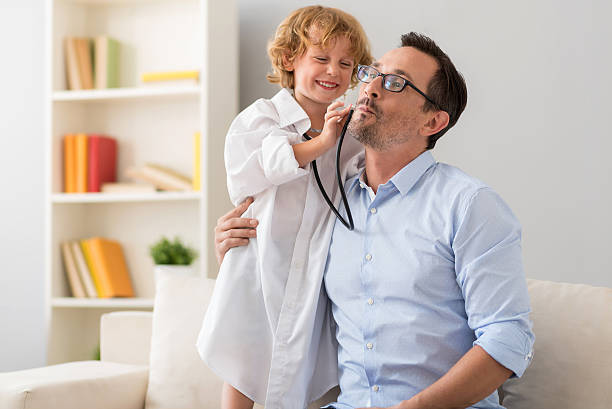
278 160
508 345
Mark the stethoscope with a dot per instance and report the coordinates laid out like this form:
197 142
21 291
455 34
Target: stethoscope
349 224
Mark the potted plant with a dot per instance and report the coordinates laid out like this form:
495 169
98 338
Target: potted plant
172 256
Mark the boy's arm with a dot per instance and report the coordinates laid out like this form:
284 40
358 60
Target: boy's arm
308 151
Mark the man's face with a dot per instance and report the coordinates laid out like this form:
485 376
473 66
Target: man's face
382 118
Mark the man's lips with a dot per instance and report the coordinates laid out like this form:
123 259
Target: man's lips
364 109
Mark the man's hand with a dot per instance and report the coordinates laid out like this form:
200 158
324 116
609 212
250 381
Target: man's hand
233 230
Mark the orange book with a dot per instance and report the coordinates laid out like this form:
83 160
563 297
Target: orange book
83 51
81 163
73 76
69 163
108 268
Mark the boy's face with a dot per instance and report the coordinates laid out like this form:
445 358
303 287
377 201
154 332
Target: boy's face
321 75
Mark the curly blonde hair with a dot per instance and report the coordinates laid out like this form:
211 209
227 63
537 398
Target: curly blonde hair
292 39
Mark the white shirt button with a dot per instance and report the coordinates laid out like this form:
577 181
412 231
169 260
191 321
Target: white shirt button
370 301
368 257
375 388
373 210
362 185
369 345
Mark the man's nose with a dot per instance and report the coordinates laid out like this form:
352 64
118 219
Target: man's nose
373 89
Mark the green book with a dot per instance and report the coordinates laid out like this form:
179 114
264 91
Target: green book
106 62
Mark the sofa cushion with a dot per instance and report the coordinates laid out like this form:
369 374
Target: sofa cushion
84 384
572 361
178 379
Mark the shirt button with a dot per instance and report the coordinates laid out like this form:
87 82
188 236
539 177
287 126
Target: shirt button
368 257
369 345
373 210
370 301
375 388
362 185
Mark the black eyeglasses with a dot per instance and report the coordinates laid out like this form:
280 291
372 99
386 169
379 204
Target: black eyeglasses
390 82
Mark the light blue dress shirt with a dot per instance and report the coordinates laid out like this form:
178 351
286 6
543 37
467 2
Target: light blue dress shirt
432 268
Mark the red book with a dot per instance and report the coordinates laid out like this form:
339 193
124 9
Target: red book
102 163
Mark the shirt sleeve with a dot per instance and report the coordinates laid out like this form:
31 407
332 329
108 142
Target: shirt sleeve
259 154
489 269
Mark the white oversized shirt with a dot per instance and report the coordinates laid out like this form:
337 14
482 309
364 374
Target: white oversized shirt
267 330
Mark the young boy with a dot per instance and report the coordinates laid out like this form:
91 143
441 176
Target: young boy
259 333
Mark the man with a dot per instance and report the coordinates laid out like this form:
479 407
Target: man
428 292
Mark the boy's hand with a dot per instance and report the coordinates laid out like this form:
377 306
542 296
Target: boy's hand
334 120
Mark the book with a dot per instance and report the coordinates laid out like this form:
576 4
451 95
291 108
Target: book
81 162
106 62
88 260
74 280
73 76
169 76
84 273
69 163
196 161
83 49
102 161
128 188
108 267
161 177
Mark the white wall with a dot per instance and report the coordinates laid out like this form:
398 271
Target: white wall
539 77
22 334
535 129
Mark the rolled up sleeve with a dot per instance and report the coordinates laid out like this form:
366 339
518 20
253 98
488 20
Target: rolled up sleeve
489 269
259 154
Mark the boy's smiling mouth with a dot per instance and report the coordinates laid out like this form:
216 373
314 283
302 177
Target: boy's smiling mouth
326 84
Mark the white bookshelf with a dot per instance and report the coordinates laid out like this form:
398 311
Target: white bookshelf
151 123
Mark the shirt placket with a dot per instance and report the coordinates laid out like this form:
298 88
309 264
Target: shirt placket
369 301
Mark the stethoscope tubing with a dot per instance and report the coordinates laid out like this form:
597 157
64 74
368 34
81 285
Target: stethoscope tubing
349 224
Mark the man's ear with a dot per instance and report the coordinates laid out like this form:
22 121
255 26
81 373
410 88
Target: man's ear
287 64
436 123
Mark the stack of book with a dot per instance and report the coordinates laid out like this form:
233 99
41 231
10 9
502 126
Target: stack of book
96 268
89 161
161 177
92 63
170 77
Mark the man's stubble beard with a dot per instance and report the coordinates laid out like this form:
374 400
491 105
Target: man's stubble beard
373 135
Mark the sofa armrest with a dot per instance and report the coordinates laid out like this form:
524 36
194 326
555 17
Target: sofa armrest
125 337
84 384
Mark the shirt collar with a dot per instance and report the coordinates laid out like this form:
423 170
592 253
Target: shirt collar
406 178
290 112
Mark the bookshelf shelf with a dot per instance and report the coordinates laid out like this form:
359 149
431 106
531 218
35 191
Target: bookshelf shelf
71 302
123 197
152 92
151 123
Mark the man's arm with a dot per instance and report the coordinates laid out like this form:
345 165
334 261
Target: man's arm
474 377
233 231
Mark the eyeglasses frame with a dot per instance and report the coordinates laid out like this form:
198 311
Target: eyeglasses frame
406 83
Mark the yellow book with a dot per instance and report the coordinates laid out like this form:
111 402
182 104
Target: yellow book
109 268
90 265
81 163
169 76
69 163
196 161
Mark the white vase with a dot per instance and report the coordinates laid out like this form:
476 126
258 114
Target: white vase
162 270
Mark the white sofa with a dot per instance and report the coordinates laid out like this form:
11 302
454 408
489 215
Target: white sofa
148 360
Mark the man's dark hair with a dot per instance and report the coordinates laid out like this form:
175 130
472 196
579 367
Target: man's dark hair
447 86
